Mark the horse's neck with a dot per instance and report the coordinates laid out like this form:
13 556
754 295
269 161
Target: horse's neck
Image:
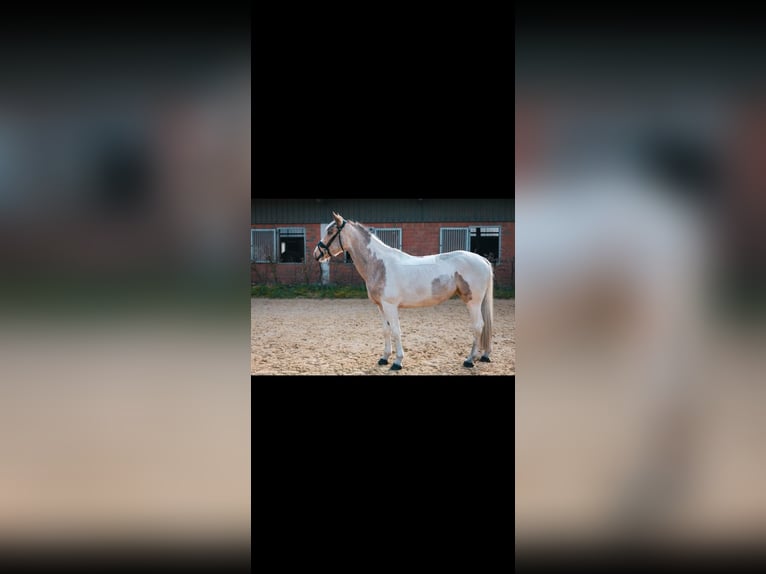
361 252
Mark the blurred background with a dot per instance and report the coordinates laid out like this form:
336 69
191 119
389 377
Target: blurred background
640 175
125 172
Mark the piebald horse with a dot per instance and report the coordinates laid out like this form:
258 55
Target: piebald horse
395 280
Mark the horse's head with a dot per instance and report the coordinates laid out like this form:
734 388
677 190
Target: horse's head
331 244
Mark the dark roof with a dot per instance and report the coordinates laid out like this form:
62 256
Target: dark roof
299 211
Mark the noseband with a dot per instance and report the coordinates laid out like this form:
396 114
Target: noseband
325 249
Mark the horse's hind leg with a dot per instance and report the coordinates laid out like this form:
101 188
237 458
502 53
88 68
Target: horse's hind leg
477 323
391 316
386 338
485 356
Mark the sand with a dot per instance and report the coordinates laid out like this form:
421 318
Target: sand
344 337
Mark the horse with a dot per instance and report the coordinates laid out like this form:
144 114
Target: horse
613 263
395 280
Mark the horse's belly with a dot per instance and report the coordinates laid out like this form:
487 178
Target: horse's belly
427 297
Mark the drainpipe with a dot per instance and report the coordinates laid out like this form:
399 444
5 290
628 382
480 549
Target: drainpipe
325 266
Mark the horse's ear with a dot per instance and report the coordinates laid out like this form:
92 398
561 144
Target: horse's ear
338 219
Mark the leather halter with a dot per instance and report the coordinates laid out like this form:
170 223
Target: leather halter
325 249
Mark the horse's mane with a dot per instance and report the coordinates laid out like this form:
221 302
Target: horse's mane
368 232
363 228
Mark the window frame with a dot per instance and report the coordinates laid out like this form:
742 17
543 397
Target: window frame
253 232
499 238
375 230
278 244
467 238
469 233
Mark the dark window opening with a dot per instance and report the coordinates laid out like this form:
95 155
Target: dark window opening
292 245
486 242
125 177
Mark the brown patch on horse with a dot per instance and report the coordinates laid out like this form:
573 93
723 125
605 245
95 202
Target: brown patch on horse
440 286
363 230
463 288
376 281
375 268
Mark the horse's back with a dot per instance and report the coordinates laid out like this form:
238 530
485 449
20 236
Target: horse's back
467 262
429 280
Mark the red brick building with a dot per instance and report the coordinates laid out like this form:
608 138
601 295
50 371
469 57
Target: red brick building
284 232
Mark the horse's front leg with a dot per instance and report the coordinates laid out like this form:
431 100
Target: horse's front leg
391 317
386 338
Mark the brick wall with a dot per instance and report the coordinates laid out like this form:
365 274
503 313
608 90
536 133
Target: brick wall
289 273
417 239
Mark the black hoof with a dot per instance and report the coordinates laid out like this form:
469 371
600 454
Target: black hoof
485 359
396 367
383 362
467 364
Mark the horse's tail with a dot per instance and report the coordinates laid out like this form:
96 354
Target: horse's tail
486 312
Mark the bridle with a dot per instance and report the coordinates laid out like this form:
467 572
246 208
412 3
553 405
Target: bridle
325 249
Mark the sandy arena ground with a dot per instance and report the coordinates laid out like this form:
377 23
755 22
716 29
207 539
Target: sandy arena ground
678 459
344 337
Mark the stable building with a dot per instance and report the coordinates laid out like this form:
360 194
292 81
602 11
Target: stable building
284 232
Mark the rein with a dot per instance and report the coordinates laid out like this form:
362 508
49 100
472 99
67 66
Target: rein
325 249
